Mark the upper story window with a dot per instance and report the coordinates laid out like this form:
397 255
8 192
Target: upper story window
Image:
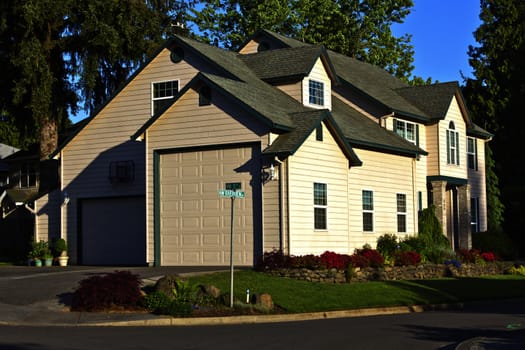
162 93
472 156
205 96
406 130
320 206
316 92
368 211
26 176
452 145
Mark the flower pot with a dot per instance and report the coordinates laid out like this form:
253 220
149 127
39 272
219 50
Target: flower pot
48 262
62 260
38 262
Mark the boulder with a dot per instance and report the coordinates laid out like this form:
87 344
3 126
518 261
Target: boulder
264 300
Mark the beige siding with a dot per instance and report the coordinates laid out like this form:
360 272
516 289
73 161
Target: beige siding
385 175
250 47
106 138
476 179
323 162
432 134
294 90
271 215
457 171
47 223
186 124
319 74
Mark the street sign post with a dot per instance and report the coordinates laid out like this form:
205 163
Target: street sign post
232 190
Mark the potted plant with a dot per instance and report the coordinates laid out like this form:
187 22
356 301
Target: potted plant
38 250
48 258
60 248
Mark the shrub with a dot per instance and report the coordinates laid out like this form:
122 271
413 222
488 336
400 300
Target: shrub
179 308
488 256
406 258
332 260
430 230
498 242
309 261
157 302
412 243
387 245
119 289
517 270
367 257
469 255
275 259
453 262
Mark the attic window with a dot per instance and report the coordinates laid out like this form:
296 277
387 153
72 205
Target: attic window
121 171
205 96
316 92
162 93
263 46
177 54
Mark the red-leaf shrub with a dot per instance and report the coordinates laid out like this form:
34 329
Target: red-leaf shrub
469 256
275 259
488 256
332 260
102 292
309 261
367 258
406 258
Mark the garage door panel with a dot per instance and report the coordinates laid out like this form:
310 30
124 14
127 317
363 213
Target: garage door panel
193 180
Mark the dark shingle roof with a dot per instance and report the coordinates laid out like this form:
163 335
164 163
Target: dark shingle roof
433 99
283 64
362 132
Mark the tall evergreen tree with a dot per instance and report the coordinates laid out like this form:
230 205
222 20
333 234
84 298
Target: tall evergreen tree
356 28
496 95
56 53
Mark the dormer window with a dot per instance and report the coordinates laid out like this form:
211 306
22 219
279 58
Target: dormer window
406 130
316 92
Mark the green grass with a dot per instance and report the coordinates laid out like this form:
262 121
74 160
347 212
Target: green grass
300 296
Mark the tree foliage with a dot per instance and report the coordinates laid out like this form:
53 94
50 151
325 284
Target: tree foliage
356 28
496 96
57 53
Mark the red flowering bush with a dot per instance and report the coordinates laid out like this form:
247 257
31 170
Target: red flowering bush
367 257
488 256
332 260
469 256
406 258
275 259
309 261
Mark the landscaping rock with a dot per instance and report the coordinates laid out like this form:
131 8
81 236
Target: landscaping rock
264 301
212 291
166 284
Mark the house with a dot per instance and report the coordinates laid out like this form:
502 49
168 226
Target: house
330 152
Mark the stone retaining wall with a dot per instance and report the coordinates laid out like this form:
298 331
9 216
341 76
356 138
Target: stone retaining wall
424 271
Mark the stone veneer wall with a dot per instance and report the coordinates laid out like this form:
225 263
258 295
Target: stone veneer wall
423 271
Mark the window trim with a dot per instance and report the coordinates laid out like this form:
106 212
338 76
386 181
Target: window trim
154 99
367 211
401 213
316 93
321 206
474 214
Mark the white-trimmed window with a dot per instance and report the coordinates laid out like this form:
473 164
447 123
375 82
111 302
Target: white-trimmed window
161 94
316 92
401 200
452 145
320 206
472 153
474 214
368 211
406 130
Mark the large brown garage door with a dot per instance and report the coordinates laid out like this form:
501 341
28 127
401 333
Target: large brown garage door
113 231
194 220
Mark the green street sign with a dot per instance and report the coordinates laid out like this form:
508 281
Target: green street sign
231 194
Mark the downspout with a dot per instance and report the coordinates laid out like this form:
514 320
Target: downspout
414 196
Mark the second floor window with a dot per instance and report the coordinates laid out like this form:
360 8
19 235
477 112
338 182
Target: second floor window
406 130
452 145
316 92
162 93
27 175
472 157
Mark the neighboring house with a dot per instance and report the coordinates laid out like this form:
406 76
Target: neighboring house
330 152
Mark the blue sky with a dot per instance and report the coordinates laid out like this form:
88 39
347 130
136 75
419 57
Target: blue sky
441 32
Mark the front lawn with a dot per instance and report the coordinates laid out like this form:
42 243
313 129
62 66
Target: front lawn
300 296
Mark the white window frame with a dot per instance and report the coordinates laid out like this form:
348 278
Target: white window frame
367 210
472 153
401 213
321 206
401 128
166 97
316 92
452 145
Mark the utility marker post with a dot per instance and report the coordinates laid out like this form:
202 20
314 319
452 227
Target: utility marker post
232 191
